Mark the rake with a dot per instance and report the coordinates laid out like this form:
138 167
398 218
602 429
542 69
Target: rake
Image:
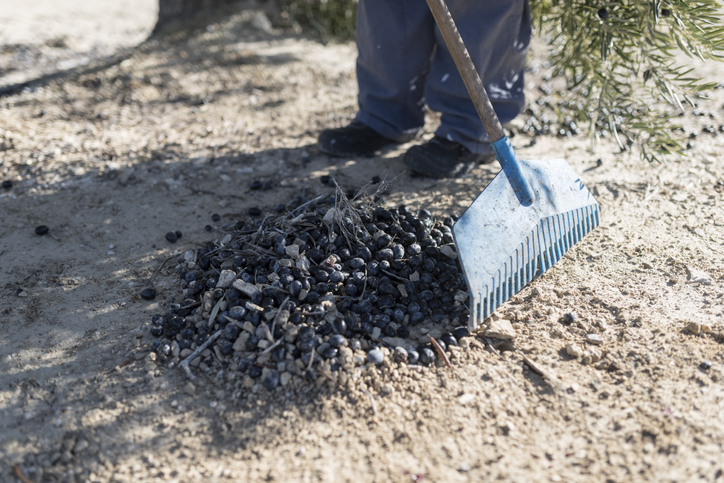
529 215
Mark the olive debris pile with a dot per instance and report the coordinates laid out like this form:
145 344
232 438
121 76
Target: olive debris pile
326 287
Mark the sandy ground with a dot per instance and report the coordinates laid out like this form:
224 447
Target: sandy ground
114 160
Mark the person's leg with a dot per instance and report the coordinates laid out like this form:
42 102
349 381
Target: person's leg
395 41
496 34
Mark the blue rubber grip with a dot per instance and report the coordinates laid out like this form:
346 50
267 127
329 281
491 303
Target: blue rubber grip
511 167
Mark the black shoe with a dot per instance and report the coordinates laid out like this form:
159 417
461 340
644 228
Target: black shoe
355 139
440 158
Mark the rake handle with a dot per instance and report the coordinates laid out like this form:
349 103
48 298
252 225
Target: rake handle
501 145
465 66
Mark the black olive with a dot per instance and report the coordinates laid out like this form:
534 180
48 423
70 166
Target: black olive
603 14
148 293
41 230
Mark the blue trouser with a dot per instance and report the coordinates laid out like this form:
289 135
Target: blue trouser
403 63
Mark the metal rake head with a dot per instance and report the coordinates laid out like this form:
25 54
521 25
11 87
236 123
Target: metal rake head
503 245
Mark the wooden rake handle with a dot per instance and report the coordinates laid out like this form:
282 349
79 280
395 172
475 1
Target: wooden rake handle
465 66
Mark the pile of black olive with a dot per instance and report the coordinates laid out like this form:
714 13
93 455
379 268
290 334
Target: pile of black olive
354 275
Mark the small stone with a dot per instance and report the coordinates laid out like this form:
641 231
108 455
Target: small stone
190 389
706 328
148 293
400 354
190 256
7 184
387 389
42 230
448 251
240 343
248 289
226 278
171 237
500 329
705 365
285 378
594 339
573 350
693 328
375 356
699 277
292 251
466 399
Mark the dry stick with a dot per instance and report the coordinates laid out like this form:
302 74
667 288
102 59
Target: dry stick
489 345
547 376
125 363
268 349
161 266
401 279
20 475
185 363
311 360
276 317
441 353
372 399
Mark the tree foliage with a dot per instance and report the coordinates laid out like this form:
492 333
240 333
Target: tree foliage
622 63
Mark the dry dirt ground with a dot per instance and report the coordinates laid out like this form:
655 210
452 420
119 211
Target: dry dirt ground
113 160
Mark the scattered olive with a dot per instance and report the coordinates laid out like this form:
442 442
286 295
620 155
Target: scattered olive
42 230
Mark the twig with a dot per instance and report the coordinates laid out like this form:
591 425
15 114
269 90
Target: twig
215 312
547 376
395 276
372 399
185 363
490 346
268 349
276 318
320 197
441 353
311 360
20 475
125 363
162 264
